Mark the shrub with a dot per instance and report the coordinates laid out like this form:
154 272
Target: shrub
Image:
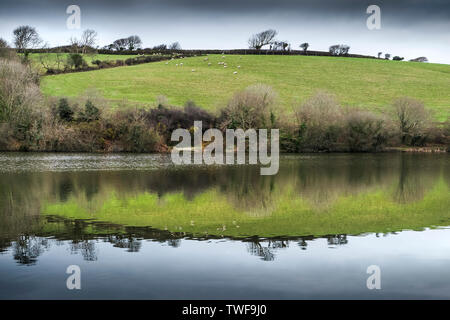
134 132
250 108
367 131
65 112
320 123
20 96
412 120
91 113
75 60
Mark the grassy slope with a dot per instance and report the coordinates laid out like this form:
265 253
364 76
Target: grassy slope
35 58
366 83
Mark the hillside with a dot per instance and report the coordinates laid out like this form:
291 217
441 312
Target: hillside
367 83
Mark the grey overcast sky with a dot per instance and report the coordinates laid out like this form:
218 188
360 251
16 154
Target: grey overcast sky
408 28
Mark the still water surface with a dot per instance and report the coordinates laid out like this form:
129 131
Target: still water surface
141 228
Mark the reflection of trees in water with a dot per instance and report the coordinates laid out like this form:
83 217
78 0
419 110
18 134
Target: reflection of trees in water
248 191
337 240
86 248
125 242
319 179
26 249
414 181
266 250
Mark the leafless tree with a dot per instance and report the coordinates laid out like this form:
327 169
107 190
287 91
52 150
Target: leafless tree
75 45
175 46
379 54
412 120
339 49
3 43
120 44
387 56
304 46
88 39
51 59
26 37
259 40
134 42
280 45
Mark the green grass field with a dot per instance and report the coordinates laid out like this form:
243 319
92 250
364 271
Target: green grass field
51 58
365 83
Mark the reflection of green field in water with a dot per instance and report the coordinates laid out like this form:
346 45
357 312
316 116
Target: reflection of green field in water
281 211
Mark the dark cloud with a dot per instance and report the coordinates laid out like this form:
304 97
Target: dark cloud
197 23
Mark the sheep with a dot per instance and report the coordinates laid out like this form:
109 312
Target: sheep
224 66
193 70
181 63
235 72
176 65
239 67
167 63
209 63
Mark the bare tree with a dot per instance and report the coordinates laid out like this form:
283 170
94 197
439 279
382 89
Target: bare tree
88 40
120 44
339 49
134 42
26 37
259 40
175 46
52 60
3 43
387 56
379 54
280 45
412 120
160 47
304 46
75 45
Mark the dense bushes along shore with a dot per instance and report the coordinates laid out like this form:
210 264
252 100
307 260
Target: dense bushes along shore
29 122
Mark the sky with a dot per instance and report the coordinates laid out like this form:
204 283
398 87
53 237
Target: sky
407 28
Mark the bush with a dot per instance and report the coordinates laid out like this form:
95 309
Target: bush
76 61
250 108
91 113
321 123
65 112
412 120
19 90
367 131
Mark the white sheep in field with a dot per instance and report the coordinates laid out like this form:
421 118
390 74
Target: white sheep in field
235 72
206 59
181 63
176 65
224 66
239 67
167 63
209 64
193 70
223 57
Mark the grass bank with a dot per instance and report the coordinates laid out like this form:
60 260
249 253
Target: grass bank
371 84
